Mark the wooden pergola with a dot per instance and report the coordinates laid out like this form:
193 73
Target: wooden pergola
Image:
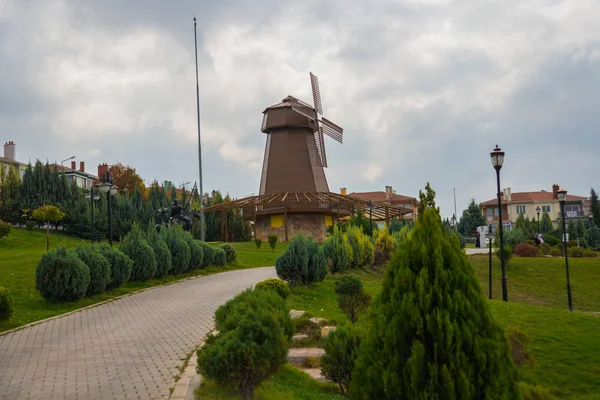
342 206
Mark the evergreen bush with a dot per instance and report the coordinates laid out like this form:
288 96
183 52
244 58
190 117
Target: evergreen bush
508 253
357 245
545 248
61 276
385 242
554 252
526 250
341 349
348 285
98 265
219 257
244 357
379 258
590 253
513 237
6 303
576 252
181 253
229 251
277 285
209 254
272 241
196 252
303 262
431 333
4 229
258 243
338 251
120 265
162 254
368 251
351 297
137 248
551 240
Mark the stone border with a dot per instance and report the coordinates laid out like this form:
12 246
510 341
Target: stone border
18 328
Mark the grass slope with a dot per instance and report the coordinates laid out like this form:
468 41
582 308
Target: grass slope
20 252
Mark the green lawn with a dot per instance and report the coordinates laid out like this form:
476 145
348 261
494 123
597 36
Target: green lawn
20 252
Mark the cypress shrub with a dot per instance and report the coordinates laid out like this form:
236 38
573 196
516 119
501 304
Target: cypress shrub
351 297
99 268
276 285
348 284
137 248
431 334
219 257
368 251
302 263
164 262
6 303
120 265
508 253
257 242
341 349
338 251
61 276
229 251
353 235
245 356
385 242
196 251
209 254
551 240
272 241
180 251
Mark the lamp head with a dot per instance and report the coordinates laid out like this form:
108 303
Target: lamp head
497 156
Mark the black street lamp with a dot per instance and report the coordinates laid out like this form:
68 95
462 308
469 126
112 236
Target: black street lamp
490 237
107 186
537 210
562 197
92 197
497 160
370 208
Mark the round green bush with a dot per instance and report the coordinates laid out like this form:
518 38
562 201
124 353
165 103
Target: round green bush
4 228
144 260
576 252
303 262
181 253
61 276
164 262
348 285
98 265
120 265
545 248
196 252
209 254
6 303
219 257
229 251
590 253
508 253
551 240
277 285
554 252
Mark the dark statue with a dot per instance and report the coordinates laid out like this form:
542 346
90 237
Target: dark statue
176 217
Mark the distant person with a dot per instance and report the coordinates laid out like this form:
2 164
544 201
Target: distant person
540 238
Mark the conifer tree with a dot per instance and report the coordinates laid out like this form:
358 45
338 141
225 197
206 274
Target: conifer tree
431 333
546 223
471 219
580 228
595 207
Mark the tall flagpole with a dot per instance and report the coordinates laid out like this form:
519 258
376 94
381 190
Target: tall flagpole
201 192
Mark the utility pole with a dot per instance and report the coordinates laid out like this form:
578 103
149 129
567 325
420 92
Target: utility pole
199 141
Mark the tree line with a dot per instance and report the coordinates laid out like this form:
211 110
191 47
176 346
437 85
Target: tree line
43 184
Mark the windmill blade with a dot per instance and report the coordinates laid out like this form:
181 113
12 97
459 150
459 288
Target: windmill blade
320 142
332 130
314 82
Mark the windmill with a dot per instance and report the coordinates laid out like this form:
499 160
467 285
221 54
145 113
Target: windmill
295 149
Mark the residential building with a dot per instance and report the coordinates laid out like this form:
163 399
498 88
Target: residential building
83 179
514 204
389 196
9 161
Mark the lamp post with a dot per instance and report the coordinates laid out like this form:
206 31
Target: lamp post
66 159
92 197
562 197
370 208
107 186
497 156
490 237
537 210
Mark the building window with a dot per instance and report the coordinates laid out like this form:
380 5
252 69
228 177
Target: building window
489 213
546 209
571 210
496 212
520 210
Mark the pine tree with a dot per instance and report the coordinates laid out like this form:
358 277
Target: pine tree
595 207
471 219
580 228
546 225
431 333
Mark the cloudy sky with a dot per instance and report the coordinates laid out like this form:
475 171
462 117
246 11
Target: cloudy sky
423 88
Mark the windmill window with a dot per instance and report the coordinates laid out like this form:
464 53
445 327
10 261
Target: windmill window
328 220
277 221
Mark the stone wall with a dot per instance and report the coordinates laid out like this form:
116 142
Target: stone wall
311 224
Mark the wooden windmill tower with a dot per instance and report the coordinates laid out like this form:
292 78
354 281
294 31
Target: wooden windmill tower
295 149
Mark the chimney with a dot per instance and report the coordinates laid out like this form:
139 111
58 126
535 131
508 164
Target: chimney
81 166
9 150
388 191
343 191
102 168
73 165
508 195
555 189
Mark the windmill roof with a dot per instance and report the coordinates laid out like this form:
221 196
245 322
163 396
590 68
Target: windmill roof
287 102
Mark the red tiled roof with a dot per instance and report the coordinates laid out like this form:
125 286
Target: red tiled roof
381 197
530 197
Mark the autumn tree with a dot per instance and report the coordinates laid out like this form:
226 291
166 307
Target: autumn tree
126 178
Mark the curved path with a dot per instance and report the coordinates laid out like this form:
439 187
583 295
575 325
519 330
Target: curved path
124 349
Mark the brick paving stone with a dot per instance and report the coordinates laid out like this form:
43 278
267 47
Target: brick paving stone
124 349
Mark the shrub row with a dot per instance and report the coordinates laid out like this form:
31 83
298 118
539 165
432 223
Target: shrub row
87 270
255 330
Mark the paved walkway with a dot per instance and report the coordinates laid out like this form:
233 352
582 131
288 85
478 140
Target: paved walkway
124 349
